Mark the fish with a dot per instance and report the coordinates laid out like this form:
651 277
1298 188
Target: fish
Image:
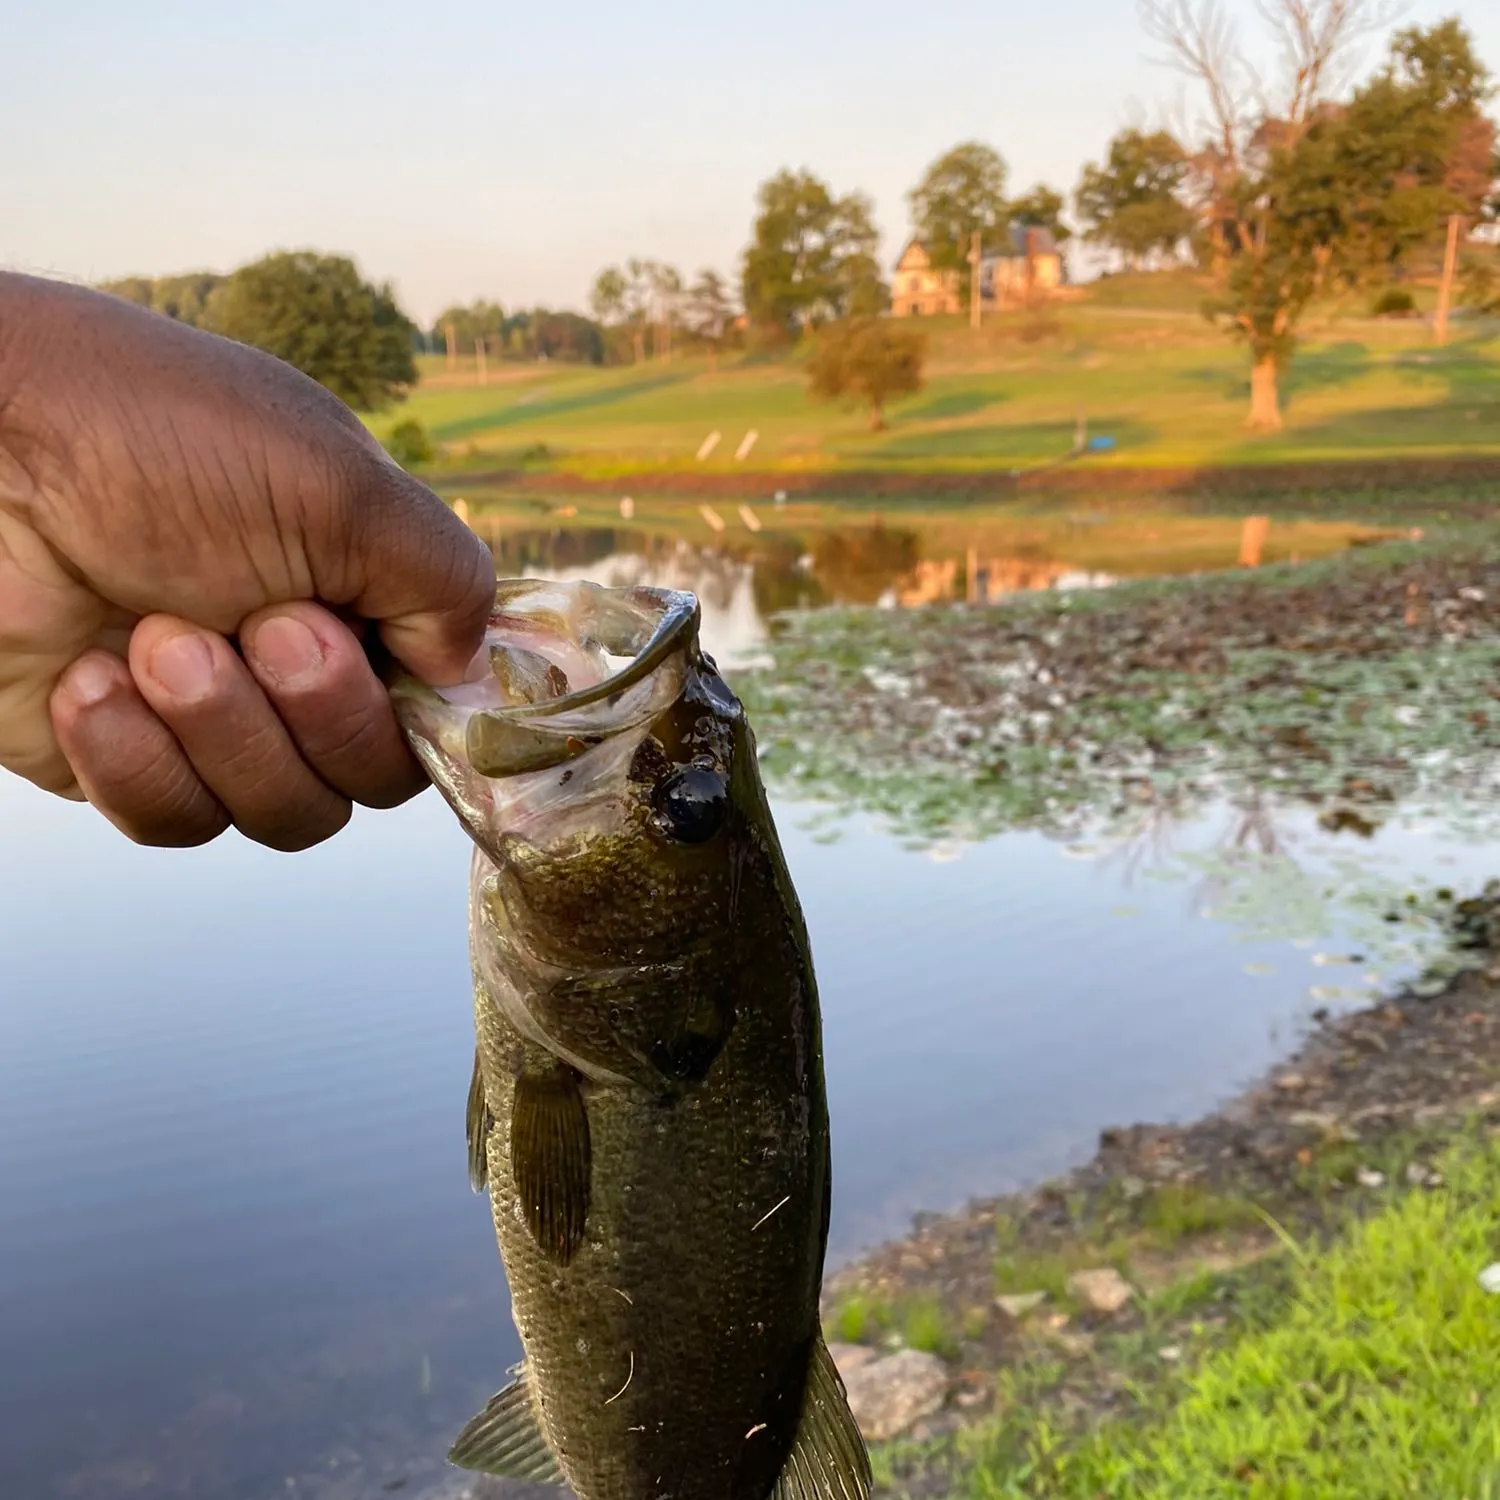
648 1112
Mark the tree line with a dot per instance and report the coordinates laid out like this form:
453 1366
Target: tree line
1293 187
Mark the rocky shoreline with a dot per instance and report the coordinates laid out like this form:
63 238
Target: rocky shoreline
1361 1110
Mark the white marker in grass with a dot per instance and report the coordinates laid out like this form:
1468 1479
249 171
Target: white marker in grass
749 517
746 444
714 519
708 445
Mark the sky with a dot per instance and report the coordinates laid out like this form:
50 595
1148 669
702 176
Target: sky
463 149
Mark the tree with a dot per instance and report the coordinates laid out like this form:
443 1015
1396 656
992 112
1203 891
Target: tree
317 313
664 291
1133 203
1415 147
709 311
961 192
1041 208
869 358
811 257
478 321
183 298
633 298
1269 202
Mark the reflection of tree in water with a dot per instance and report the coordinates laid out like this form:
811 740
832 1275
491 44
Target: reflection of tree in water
858 565
561 548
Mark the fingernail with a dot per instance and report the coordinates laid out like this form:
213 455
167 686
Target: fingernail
184 666
287 650
90 682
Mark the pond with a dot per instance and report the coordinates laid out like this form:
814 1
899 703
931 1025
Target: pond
240 1256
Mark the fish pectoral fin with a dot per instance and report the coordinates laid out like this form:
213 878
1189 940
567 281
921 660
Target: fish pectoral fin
549 1155
506 1439
828 1459
477 1125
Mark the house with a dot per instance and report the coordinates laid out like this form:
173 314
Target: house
1031 264
920 291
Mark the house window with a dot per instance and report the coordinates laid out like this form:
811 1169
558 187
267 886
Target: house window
914 285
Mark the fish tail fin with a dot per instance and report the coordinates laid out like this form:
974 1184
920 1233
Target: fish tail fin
827 1459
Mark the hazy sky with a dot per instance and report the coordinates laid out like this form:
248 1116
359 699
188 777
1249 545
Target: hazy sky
466 149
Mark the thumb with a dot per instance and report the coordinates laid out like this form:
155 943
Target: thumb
411 566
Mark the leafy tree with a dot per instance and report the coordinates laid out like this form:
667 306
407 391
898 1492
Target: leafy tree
812 256
317 313
409 444
1132 202
870 359
479 320
1302 194
184 298
1414 147
608 297
542 334
1041 208
643 293
709 312
709 308
962 191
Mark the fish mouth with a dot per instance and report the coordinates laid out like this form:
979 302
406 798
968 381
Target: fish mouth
569 676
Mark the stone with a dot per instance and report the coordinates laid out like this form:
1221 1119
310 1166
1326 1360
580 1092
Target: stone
851 1356
1101 1290
1018 1304
1369 1177
1489 1278
888 1396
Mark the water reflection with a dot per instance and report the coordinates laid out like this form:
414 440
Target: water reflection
873 564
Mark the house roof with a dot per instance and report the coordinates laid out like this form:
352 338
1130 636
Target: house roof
922 260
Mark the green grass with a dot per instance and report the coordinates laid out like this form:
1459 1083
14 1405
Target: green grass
1375 1372
1134 357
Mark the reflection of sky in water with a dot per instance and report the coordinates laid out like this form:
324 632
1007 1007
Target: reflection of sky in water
232 1083
733 629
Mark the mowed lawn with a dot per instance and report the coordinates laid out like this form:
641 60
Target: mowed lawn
1158 380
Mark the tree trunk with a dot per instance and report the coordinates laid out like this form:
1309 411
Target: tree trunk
1265 396
877 418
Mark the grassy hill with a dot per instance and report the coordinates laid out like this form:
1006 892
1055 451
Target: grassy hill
1133 356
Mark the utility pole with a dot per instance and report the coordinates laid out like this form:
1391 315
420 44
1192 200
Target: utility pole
974 281
479 365
1445 287
450 337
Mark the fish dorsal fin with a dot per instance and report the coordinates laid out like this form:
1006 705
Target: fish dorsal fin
549 1155
506 1439
828 1459
477 1124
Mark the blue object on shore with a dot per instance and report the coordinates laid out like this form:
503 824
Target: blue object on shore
1102 444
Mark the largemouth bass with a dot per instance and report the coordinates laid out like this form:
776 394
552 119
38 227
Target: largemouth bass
647 1111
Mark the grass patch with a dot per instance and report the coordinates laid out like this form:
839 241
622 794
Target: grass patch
1375 1372
917 1322
859 1319
1178 1210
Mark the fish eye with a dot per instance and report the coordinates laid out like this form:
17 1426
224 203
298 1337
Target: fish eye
692 804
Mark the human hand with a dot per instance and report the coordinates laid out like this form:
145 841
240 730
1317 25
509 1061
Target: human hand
163 491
